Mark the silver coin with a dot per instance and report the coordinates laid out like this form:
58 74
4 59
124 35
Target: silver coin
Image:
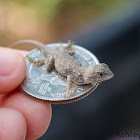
49 86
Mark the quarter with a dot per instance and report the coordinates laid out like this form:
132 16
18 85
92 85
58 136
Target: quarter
49 86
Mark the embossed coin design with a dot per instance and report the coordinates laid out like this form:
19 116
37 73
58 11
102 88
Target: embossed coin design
49 86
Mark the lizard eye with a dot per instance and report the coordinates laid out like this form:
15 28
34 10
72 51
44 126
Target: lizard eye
101 74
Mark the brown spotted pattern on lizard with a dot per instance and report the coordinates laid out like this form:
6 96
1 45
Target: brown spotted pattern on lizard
68 66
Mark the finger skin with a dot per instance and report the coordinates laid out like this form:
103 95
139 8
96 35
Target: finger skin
36 114
9 81
23 53
12 125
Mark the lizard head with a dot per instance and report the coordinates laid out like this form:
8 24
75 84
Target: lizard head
97 73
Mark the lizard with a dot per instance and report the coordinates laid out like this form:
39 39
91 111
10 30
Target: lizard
66 65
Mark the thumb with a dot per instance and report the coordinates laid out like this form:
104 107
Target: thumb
12 70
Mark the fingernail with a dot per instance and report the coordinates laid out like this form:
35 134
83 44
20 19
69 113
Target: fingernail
8 62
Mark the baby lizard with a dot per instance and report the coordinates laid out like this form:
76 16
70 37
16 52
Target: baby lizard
68 66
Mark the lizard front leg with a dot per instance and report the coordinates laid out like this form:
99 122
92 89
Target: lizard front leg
68 89
68 49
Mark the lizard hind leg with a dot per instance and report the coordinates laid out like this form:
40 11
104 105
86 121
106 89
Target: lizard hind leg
68 49
49 63
36 62
48 60
69 91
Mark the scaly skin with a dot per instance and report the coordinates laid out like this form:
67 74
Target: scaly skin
68 66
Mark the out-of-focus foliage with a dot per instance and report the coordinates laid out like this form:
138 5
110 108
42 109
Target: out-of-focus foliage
50 20
45 8
48 9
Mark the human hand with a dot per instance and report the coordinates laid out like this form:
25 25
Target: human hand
20 116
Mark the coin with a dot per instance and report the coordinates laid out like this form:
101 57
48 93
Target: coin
49 86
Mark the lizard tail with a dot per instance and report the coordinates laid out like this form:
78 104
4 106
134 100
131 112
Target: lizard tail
33 42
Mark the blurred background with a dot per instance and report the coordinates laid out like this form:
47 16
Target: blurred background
111 30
